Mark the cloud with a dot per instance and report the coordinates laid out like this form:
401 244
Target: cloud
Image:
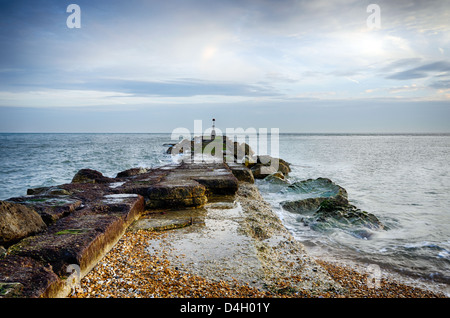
209 52
422 71
405 89
352 80
445 84
107 100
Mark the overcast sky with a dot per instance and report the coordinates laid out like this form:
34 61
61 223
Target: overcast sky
152 66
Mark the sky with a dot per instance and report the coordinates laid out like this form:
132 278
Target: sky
152 66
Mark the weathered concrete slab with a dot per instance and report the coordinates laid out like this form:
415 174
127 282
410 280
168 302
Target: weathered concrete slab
216 177
26 277
83 237
126 206
87 217
176 193
139 183
241 172
242 240
214 247
50 208
190 184
160 224
80 240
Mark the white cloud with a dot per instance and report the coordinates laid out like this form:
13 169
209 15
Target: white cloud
87 98
61 98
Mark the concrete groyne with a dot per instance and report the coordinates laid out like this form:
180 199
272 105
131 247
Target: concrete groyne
85 218
53 236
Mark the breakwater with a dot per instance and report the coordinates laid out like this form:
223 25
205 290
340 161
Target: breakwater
82 220
85 218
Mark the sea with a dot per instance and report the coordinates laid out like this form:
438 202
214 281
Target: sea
403 179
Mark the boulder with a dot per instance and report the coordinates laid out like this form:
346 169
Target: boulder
243 150
17 221
90 176
49 207
320 187
35 191
283 167
329 207
131 172
277 178
276 164
185 146
52 191
260 171
348 212
303 206
249 162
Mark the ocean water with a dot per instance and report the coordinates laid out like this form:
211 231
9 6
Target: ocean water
402 179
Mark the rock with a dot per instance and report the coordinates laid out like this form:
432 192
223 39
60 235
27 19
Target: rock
303 206
90 176
264 159
10 290
283 168
242 173
2 251
276 163
236 151
79 240
188 193
48 191
190 184
260 171
131 172
139 184
320 187
17 222
27 277
35 191
219 180
57 191
86 218
50 208
346 213
249 162
185 146
329 207
243 150
277 178
150 224
219 186
84 236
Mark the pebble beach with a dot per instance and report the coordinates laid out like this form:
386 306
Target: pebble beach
129 271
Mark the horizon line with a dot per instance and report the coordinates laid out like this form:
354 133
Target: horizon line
280 133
